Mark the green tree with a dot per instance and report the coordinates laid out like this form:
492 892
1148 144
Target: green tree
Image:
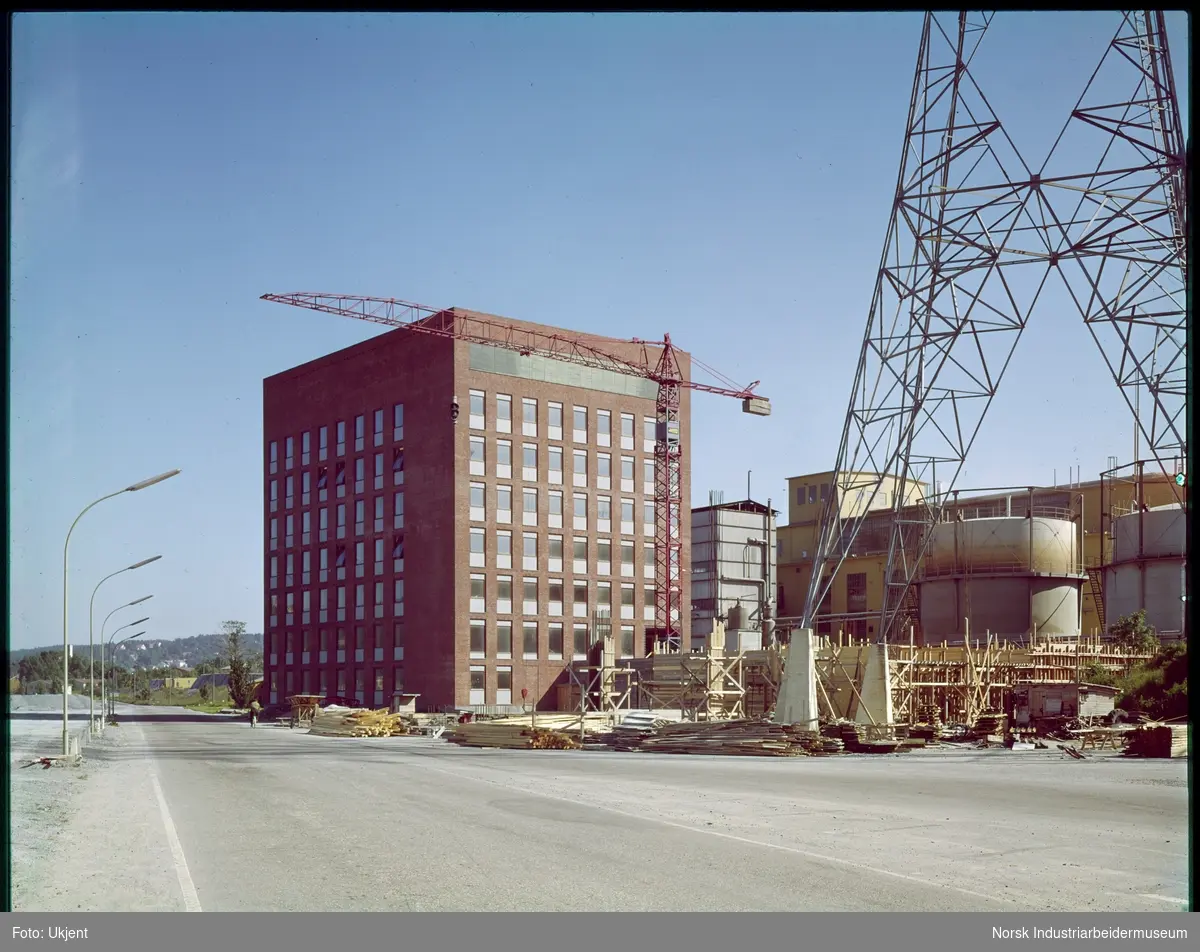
1095 673
239 670
1134 633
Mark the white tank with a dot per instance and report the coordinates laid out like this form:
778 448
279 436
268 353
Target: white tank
988 572
1156 581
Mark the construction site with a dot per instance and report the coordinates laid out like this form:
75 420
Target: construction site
896 606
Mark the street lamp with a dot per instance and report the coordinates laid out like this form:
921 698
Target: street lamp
92 639
103 626
144 484
112 693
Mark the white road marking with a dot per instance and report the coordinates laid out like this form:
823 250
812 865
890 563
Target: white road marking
1170 899
729 836
191 900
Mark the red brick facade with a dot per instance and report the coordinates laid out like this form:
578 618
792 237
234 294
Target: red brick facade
428 649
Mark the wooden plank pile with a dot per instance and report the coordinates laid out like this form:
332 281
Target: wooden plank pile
727 738
552 732
359 723
993 725
1159 740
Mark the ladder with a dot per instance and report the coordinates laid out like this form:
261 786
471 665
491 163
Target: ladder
1096 578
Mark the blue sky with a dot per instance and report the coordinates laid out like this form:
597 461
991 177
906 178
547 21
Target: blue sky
723 178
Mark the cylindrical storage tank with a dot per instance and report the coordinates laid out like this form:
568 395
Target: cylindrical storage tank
736 618
1156 581
1009 576
1002 543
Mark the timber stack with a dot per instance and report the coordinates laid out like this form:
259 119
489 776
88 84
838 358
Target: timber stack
1159 740
359 723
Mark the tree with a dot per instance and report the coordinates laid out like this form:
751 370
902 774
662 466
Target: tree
1095 673
1134 633
240 686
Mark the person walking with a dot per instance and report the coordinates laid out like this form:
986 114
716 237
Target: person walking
255 708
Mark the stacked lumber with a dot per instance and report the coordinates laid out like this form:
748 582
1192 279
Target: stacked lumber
991 724
552 732
1159 740
816 743
343 722
729 738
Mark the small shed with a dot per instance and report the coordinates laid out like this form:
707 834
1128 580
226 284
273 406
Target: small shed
1035 701
404 703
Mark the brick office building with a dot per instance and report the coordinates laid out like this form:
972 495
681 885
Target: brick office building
462 560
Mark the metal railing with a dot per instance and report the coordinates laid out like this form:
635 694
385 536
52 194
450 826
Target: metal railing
1010 567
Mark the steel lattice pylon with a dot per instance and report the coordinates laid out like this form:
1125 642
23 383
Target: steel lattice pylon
973 238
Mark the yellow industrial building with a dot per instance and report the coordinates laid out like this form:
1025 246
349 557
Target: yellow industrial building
855 597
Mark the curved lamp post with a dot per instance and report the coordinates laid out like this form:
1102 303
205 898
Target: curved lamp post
103 626
144 484
112 697
92 637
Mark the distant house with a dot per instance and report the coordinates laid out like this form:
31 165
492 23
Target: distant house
1034 702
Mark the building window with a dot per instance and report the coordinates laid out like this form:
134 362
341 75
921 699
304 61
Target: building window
581 642
289 492
627 466
289 539
555 554
398 466
478 511
529 602
398 422
379 471
323 607
579 555
477 695
604 427
530 507
604 513
603 471
627 603
478 593
305 607
322 483
504 684
274 571
475 403
274 494
529 641
529 462
581 520
306 527
554 509
604 557
305 447
398 511
503 413
360 426
323 524
322 443
529 415
377 429
323 565
274 611
626 431
504 639
824 491
360 559
360 516
626 558
604 598
339 563
378 518
554 421
273 456
504 459
289 452
555 597
305 488
379 599
398 641
555 640
579 604
477 456
478 638
648 517
504 504
627 514
340 449
339 478
360 602
579 470
555 464
503 594
649 434
360 469
580 431
529 551
648 477
398 598
649 560
341 603
274 533
649 603
398 553
503 549
477 549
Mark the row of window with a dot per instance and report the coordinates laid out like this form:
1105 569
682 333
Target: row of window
340 554
503 420
360 425
581 605
555 500
603 465
354 680
555 548
379 518
306 481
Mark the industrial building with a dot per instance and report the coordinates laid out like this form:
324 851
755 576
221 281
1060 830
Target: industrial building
1057 560
733 572
457 520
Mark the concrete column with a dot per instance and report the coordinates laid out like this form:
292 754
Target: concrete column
797 703
876 689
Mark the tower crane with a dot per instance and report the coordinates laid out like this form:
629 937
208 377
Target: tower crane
662 368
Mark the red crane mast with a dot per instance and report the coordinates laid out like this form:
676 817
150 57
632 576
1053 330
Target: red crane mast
662 368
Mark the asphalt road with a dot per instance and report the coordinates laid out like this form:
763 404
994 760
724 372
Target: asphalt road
221 816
